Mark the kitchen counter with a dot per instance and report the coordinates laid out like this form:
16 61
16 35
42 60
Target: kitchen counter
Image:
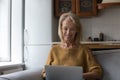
103 44
100 45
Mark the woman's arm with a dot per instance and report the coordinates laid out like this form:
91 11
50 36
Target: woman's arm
91 75
94 69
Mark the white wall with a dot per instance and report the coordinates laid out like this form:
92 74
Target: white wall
107 21
108 1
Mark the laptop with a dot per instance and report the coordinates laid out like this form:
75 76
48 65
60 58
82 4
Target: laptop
63 72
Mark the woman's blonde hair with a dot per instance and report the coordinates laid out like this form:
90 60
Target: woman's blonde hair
75 19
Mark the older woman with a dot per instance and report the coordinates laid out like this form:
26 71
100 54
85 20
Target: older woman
70 52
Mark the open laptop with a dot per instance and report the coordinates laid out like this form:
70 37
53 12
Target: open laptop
63 72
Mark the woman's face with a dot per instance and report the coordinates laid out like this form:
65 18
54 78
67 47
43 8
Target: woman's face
69 30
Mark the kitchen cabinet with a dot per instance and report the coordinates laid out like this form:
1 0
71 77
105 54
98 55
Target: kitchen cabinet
82 8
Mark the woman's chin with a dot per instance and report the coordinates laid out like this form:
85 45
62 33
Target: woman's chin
68 41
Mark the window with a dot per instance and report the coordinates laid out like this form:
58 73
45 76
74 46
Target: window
5 30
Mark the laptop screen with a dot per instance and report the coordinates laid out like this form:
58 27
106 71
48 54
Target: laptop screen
63 72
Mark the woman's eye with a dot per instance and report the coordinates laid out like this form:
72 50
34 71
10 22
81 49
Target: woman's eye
73 30
70 29
65 29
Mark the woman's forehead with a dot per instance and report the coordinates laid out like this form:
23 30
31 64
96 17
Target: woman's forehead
68 23
68 20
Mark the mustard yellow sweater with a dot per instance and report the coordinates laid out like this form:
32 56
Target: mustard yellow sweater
80 56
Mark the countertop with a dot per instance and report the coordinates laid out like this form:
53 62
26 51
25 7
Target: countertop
100 44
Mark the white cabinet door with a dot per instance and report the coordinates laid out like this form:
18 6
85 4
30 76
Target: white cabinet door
38 21
36 56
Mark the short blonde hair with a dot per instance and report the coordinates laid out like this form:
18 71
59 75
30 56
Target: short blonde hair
75 19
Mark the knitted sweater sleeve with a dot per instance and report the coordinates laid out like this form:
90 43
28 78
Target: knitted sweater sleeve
92 63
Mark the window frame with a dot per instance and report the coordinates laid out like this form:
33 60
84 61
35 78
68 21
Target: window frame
17 11
9 33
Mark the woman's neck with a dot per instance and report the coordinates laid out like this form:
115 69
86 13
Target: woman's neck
68 45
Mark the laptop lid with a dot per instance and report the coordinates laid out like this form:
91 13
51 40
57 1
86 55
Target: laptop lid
63 72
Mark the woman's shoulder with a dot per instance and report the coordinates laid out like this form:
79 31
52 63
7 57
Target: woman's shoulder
86 49
55 46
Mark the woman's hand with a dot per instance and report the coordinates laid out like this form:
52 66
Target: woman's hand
44 76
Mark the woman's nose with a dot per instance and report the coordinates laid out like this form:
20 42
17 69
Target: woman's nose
68 31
